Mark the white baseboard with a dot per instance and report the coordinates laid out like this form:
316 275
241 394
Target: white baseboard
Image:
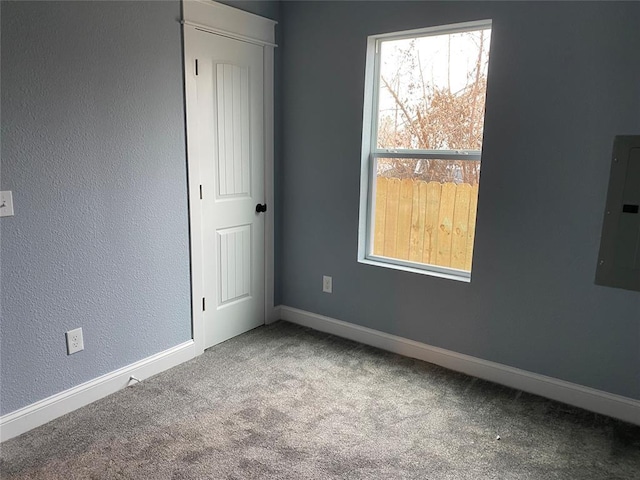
598 401
39 413
273 315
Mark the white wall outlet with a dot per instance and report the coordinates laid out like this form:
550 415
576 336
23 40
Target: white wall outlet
6 204
327 284
75 342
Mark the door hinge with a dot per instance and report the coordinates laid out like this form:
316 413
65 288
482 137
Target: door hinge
203 305
200 192
196 66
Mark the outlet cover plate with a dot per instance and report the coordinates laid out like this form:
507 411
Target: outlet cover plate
327 284
6 204
75 342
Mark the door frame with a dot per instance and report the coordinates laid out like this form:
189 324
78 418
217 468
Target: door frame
219 19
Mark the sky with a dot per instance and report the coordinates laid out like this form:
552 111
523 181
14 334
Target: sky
443 58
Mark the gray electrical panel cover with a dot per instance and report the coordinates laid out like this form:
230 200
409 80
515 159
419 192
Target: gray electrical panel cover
619 258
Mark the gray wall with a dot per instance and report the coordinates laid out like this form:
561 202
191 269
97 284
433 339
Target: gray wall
563 80
93 147
264 8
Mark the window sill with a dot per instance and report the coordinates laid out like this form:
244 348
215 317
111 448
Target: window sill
449 274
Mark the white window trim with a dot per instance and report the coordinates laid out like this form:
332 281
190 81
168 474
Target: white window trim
370 153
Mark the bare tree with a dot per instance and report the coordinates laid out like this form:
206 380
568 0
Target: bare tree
430 116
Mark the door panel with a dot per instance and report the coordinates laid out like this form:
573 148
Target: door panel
234 251
234 153
230 132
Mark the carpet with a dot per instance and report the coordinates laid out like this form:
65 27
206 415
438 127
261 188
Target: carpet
286 402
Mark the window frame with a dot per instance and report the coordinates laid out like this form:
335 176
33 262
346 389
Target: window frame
371 152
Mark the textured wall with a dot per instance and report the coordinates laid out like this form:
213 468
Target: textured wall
93 148
264 8
563 81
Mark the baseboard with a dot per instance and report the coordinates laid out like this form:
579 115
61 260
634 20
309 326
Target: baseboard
598 401
39 413
273 315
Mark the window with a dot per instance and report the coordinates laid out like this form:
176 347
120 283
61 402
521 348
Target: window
421 146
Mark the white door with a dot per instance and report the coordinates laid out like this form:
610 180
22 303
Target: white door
229 145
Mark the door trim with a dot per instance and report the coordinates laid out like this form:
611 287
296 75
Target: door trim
228 21
231 22
226 33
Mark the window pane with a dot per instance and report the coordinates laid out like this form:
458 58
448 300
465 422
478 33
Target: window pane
430 170
425 210
432 91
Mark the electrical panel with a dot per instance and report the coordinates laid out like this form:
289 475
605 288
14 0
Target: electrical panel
619 258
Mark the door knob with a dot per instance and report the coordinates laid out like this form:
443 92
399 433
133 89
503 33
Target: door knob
261 208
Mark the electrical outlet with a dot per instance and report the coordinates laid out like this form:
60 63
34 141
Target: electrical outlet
6 204
75 342
327 284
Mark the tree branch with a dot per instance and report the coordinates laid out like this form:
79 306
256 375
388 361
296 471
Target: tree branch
401 105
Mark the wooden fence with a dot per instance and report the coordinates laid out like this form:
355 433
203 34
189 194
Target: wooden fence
424 222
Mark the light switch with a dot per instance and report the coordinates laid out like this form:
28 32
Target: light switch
6 204
619 257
